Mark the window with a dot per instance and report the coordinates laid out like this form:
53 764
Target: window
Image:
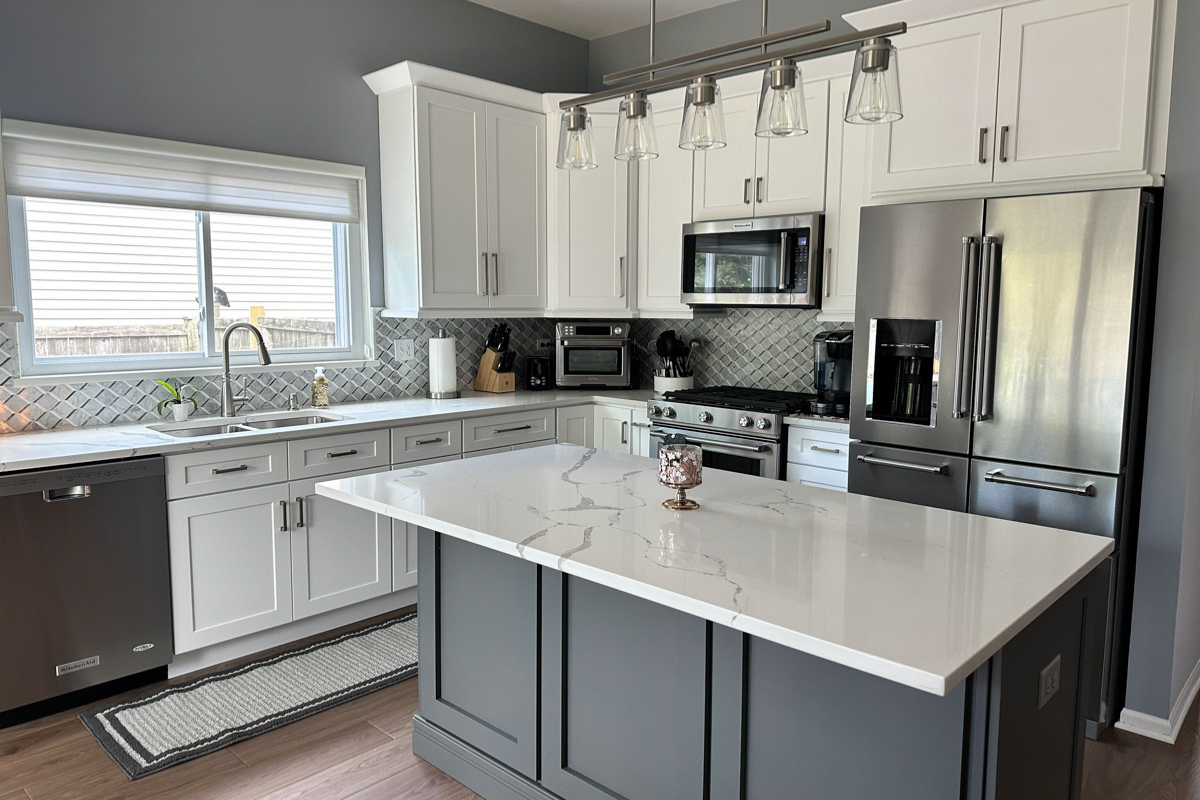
151 285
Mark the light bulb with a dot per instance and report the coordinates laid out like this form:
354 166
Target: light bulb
874 104
703 119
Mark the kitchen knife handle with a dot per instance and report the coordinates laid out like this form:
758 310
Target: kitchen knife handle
495 274
746 192
985 351
983 136
967 306
486 290
932 469
996 476
1004 144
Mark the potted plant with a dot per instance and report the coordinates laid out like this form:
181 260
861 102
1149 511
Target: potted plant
181 404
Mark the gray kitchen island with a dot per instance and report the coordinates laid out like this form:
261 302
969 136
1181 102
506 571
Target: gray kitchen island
580 641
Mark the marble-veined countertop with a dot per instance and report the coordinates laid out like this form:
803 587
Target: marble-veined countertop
916 595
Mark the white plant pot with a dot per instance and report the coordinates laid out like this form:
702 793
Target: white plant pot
181 411
663 385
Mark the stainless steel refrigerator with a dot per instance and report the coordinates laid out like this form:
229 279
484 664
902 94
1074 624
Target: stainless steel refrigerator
1003 372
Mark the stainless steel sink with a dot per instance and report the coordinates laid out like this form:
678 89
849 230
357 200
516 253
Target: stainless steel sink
288 422
247 424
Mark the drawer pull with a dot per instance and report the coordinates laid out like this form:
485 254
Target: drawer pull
227 470
931 469
833 451
511 430
342 454
421 442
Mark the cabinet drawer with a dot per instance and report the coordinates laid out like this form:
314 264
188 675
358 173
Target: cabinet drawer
817 448
212 471
829 478
327 455
485 433
423 442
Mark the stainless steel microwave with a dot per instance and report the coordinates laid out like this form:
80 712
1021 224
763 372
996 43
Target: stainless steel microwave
770 261
593 354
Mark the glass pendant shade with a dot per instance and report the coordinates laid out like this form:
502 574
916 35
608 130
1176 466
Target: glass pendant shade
781 110
875 87
703 117
575 147
636 140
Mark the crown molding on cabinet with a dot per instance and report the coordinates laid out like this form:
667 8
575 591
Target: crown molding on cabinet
920 12
411 73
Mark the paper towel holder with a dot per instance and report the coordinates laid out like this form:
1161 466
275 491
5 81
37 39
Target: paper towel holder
441 334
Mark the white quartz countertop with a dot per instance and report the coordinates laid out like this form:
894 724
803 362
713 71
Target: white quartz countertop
70 446
916 595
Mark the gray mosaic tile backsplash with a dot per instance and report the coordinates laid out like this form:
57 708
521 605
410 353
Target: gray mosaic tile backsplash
765 348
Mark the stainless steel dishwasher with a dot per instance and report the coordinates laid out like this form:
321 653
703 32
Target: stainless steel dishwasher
84 578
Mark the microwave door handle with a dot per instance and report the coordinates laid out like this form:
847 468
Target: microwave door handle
968 293
784 272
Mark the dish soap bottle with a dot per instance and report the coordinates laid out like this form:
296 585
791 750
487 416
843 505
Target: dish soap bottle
320 389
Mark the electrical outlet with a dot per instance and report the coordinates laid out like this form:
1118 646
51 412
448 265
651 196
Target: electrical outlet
1050 681
545 344
406 350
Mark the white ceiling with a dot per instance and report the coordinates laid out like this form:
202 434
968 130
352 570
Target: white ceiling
594 18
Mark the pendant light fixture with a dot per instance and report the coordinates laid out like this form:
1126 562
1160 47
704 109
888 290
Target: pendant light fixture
575 147
703 118
875 87
781 110
636 139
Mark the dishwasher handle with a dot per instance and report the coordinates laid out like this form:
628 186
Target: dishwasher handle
66 493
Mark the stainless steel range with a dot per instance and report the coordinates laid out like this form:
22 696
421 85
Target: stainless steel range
740 430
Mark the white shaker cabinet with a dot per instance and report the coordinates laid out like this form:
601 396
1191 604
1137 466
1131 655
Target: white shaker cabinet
723 186
576 425
614 429
231 567
847 193
516 191
790 173
8 310
664 207
1074 88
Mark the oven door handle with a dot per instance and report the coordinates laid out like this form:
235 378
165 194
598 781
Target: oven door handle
744 448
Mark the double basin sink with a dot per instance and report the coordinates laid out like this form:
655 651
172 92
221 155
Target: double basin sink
222 426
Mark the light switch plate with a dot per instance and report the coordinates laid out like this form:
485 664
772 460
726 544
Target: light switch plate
1050 681
406 350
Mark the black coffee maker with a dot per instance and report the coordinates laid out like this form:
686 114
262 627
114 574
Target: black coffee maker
832 352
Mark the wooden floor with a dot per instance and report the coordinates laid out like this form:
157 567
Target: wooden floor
363 750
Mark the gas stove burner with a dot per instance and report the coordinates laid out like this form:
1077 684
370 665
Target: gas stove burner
766 400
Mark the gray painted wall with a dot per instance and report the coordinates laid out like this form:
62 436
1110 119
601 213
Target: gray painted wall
278 76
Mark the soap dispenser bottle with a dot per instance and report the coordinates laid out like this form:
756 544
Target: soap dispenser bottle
320 389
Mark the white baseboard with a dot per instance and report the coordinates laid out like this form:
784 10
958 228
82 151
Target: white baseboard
205 657
1164 730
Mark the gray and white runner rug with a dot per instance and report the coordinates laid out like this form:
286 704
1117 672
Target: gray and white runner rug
178 723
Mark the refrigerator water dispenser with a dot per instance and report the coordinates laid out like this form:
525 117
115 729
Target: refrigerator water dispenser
902 371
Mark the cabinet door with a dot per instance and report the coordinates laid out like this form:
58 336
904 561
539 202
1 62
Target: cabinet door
576 425
723 187
593 256
516 181
790 173
664 207
640 444
948 72
8 310
341 555
846 194
231 569
613 429
404 538
452 196
1075 87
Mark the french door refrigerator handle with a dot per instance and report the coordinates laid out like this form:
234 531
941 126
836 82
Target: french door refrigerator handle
967 304
985 351
932 469
996 476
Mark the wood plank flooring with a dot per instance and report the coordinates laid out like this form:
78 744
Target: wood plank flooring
362 750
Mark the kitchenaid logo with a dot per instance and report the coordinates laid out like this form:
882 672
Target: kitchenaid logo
75 666
141 648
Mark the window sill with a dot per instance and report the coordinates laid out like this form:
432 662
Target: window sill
187 372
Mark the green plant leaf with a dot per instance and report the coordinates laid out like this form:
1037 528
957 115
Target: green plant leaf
192 400
174 392
163 404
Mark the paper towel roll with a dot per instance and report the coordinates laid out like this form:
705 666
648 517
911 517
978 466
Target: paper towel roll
443 367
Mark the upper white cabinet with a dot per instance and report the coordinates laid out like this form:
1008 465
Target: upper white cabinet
759 177
664 207
463 185
8 310
849 154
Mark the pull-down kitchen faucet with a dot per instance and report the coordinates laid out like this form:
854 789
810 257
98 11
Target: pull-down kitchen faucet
228 400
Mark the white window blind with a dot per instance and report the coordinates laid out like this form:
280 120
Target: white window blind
74 164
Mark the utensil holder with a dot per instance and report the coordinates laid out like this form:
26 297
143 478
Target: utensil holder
487 379
664 385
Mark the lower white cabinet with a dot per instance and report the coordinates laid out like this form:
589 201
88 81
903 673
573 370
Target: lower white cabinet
341 555
641 441
404 536
612 431
576 425
818 454
231 565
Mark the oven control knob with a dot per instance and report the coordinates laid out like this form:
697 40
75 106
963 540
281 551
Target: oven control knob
705 416
669 412
763 424
654 411
745 422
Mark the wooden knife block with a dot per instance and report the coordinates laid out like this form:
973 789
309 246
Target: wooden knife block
487 379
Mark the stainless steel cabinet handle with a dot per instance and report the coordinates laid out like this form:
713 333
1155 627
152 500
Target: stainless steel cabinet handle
996 476
67 493
745 448
621 276
495 274
783 259
985 351
833 451
342 454
486 290
1004 143
420 442
641 425
983 136
931 469
300 508
227 470
624 432
967 305
746 192
758 197
283 507
828 267
511 430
